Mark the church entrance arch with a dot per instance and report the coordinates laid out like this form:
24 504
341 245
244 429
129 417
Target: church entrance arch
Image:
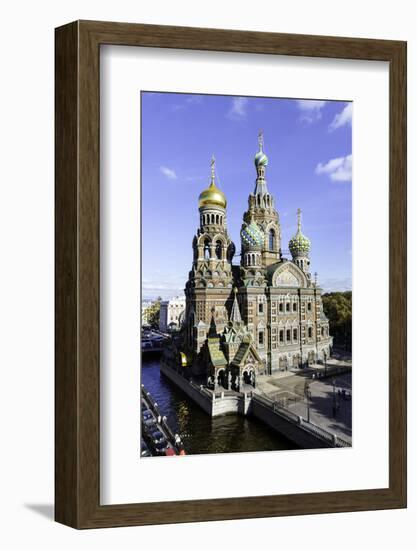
221 378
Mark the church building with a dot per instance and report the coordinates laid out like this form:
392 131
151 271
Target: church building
256 318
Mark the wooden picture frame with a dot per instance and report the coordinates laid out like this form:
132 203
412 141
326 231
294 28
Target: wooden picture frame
77 405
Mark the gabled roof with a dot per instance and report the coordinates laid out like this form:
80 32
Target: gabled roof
241 354
244 350
289 272
216 354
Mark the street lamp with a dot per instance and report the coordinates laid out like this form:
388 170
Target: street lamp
307 395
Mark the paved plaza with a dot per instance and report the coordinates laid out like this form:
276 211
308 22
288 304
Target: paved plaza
325 400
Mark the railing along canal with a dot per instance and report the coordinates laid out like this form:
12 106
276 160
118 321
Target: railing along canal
333 439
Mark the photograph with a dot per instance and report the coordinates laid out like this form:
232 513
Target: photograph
246 274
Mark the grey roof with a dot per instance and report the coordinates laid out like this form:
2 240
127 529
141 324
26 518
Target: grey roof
235 316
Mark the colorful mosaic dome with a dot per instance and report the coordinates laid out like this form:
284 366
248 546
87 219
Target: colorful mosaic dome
261 159
299 244
252 235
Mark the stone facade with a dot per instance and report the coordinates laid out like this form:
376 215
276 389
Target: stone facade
261 316
171 313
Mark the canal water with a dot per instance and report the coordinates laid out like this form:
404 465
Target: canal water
202 434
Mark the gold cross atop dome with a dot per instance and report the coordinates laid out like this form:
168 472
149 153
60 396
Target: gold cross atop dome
261 139
212 196
213 168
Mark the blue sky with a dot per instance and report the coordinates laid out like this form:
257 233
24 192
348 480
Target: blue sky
309 146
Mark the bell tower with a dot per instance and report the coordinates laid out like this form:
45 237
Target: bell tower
262 210
209 287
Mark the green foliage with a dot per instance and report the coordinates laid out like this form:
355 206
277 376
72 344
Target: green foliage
153 313
338 308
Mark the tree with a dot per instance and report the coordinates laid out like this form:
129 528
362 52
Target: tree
153 313
338 308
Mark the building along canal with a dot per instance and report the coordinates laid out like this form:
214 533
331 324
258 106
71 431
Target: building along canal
201 433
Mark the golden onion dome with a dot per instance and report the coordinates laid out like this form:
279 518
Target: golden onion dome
212 196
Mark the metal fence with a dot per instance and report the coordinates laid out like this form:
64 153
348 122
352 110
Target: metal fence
332 439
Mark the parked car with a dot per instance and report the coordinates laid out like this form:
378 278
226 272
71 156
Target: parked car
169 451
144 449
161 447
146 414
149 422
156 436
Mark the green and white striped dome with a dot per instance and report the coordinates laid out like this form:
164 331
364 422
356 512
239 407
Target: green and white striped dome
252 235
261 159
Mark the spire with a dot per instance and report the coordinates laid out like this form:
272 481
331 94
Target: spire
299 220
235 316
212 333
261 161
261 140
213 170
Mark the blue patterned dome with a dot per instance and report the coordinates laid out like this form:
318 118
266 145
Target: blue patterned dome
252 235
261 159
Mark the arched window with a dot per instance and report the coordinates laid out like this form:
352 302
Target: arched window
219 250
207 250
217 219
271 239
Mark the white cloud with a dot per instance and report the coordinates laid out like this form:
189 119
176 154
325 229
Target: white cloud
336 284
338 169
166 286
168 173
191 100
342 118
238 110
310 110
197 99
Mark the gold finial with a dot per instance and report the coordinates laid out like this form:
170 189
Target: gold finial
261 140
213 169
299 219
